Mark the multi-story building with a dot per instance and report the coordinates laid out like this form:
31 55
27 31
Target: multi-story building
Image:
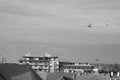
45 63
75 67
50 63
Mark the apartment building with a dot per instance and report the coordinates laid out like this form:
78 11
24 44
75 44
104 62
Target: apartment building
45 63
71 67
50 63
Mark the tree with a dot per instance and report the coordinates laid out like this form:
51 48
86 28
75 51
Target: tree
116 67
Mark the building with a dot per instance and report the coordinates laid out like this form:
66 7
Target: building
75 67
50 63
107 68
45 63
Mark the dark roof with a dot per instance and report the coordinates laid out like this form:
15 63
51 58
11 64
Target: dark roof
16 71
93 77
57 76
65 78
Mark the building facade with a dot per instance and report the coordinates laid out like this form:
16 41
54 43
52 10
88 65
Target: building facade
45 63
50 63
75 67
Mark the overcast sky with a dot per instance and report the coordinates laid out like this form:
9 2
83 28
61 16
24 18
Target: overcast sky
64 24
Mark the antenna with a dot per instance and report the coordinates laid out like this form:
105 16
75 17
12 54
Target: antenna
4 60
46 48
28 54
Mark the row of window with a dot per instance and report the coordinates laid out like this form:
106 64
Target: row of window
72 63
77 67
40 58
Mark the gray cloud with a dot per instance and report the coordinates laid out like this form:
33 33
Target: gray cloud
62 22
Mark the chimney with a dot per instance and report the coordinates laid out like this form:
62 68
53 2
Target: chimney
74 76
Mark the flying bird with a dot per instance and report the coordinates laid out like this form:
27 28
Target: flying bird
89 25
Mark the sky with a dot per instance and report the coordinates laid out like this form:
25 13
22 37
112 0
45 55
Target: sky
61 25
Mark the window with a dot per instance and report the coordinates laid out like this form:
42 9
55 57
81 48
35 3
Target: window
36 59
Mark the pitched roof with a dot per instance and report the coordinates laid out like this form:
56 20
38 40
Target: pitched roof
65 78
17 72
58 76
